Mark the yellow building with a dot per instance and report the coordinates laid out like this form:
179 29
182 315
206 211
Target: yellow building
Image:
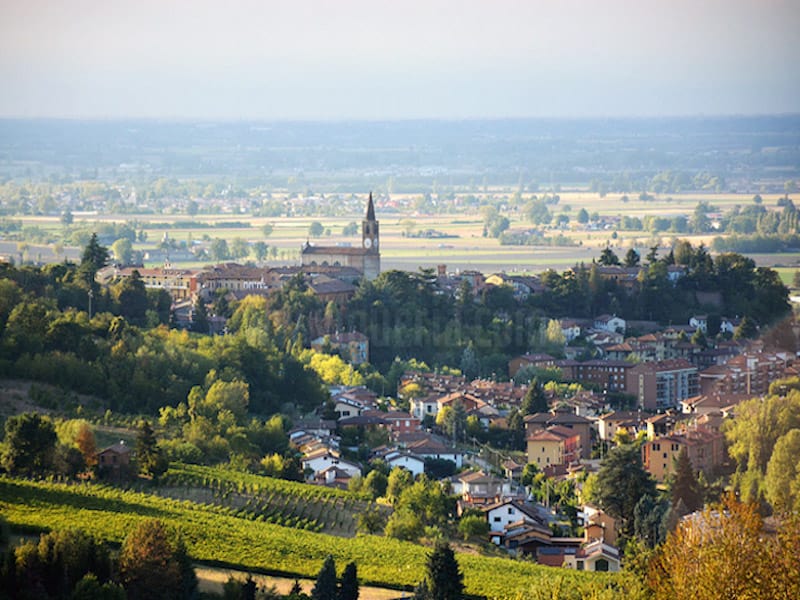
553 446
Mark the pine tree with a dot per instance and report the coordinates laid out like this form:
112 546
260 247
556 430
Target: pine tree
200 316
94 258
699 339
608 257
470 366
516 428
325 587
632 258
621 483
348 587
150 458
747 329
648 517
445 579
535 400
685 486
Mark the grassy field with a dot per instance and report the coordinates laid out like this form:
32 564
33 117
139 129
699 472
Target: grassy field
787 274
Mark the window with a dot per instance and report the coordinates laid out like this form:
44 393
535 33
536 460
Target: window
497 519
510 511
580 565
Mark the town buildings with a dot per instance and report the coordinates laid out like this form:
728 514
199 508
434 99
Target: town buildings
662 384
705 449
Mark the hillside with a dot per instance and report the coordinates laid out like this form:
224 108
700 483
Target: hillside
214 535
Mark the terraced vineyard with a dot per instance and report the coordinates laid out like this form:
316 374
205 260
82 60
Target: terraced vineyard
216 535
266 499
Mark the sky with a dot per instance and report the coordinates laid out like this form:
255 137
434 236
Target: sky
399 59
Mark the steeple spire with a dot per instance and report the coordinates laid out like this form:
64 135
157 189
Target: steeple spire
370 209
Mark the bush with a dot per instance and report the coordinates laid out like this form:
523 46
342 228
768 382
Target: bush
473 526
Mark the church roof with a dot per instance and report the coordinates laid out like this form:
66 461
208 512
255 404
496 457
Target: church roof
340 250
332 286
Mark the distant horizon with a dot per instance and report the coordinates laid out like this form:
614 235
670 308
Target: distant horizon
243 119
420 59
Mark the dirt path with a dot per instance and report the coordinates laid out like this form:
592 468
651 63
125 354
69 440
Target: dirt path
212 578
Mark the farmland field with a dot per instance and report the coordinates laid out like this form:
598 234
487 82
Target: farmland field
464 248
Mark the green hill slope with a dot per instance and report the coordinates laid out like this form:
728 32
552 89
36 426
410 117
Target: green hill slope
214 535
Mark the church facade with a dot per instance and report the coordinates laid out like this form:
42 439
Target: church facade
366 259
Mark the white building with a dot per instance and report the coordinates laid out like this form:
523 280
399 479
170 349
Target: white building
413 464
610 323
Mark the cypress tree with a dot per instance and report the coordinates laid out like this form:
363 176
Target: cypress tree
249 588
325 587
685 486
348 587
445 579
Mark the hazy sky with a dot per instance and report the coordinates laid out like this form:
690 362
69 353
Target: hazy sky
378 59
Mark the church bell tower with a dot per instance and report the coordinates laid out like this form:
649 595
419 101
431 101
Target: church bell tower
370 238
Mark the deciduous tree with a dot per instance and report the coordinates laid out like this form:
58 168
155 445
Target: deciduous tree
30 443
154 566
724 553
782 481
